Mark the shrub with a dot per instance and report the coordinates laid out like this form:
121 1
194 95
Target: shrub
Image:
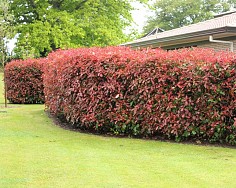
188 94
24 81
181 95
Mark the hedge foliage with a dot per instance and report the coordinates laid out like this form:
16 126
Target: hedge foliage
24 81
181 95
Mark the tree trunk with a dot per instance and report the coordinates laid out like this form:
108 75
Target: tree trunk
4 76
5 88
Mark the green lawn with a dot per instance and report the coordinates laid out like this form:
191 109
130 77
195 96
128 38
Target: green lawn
36 153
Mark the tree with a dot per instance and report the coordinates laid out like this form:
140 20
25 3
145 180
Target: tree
52 24
170 14
5 31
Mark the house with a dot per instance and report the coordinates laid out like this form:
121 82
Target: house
218 33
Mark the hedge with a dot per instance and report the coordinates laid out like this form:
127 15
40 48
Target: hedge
182 95
24 81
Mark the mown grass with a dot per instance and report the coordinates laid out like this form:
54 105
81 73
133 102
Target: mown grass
36 153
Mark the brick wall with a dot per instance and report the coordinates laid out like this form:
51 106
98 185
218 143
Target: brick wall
218 46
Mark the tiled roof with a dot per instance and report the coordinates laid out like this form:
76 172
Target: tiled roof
215 23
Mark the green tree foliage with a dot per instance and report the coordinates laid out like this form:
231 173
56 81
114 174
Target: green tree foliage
5 31
45 25
170 14
5 28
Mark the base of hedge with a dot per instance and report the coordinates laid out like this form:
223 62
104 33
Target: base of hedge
61 122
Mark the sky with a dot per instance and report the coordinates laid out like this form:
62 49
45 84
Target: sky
140 15
11 44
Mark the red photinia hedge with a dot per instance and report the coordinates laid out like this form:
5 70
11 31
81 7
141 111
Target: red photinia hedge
186 94
24 81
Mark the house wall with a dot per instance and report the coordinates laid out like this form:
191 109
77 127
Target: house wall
218 46
206 44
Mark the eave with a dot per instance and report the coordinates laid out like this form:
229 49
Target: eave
185 38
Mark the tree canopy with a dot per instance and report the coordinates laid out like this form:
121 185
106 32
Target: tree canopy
170 14
45 25
5 31
6 28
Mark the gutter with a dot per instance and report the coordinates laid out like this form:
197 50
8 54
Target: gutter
222 41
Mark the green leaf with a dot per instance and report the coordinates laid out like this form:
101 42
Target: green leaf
46 25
